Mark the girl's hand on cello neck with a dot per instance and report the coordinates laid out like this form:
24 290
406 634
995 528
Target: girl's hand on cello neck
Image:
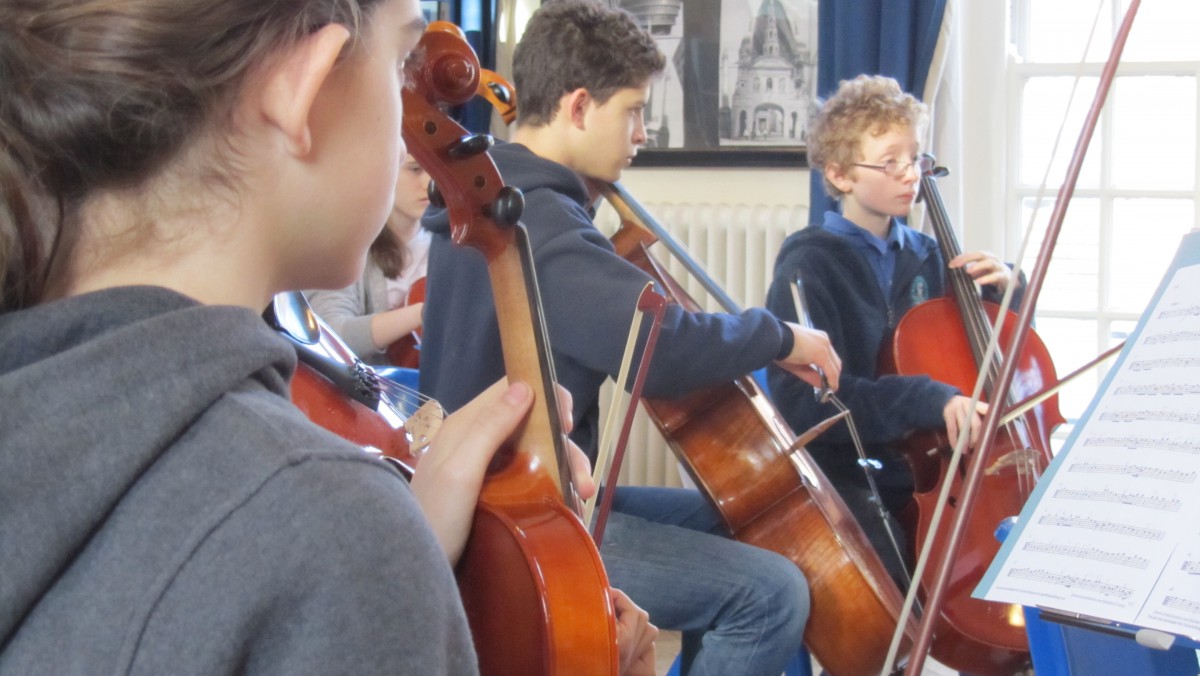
450 475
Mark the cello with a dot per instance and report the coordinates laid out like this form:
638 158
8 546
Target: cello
536 593
405 351
770 493
946 339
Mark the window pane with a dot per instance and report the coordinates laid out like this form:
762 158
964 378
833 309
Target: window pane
1154 139
1164 30
1072 281
1059 29
1146 234
1072 343
1042 104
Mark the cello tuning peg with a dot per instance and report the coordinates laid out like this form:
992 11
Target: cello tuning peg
507 208
501 92
435 196
470 146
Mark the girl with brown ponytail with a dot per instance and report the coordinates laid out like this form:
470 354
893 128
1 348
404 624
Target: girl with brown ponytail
166 167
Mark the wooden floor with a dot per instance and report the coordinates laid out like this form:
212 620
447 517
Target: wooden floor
665 650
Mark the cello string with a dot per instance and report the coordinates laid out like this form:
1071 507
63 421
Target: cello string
910 598
971 308
420 415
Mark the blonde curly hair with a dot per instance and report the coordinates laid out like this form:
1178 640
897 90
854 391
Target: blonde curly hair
868 104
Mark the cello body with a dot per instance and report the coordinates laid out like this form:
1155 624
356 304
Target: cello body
511 621
739 451
406 351
981 637
945 339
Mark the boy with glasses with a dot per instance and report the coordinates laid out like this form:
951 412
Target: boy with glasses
862 270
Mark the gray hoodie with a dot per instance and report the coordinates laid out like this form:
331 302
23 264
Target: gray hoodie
165 509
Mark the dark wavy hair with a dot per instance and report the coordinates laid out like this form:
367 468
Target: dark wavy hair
572 44
102 94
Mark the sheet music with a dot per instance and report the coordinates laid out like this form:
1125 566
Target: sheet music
1113 529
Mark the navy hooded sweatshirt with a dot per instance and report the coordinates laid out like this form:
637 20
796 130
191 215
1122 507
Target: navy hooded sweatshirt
589 295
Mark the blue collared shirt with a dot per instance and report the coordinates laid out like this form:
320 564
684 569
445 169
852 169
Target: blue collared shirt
880 254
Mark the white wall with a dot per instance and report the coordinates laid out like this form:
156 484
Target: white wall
985 101
787 187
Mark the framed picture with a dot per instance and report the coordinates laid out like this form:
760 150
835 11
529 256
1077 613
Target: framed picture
739 85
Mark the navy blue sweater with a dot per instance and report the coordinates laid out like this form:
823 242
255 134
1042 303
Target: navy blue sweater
589 295
845 300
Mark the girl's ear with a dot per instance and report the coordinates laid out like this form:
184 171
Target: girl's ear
290 85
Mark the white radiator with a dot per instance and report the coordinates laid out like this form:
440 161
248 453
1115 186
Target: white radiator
737 244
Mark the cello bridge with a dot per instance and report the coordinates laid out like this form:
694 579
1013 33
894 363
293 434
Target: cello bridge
1022 458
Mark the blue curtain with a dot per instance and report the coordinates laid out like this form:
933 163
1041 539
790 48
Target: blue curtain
887 37
477 18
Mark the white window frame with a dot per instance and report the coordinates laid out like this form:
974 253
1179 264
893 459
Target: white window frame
996 189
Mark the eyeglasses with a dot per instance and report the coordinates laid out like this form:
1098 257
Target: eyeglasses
895 169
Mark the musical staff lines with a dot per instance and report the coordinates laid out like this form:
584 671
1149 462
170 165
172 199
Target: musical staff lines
1164 363
1158 389
1102 525
1160 415
1172 337
1141 443
1191 311
1090 553
1072 581
1180 603
1113 530
1136 471
1120 498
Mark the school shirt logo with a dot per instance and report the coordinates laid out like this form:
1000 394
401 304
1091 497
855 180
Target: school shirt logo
919 291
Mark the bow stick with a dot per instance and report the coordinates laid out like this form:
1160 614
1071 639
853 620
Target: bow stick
1024 320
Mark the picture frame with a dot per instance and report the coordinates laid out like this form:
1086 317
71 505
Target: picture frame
739 85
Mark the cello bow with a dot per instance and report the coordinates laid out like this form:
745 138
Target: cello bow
536 593
991 422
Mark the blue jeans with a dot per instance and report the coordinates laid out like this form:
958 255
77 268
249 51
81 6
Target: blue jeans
740 609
